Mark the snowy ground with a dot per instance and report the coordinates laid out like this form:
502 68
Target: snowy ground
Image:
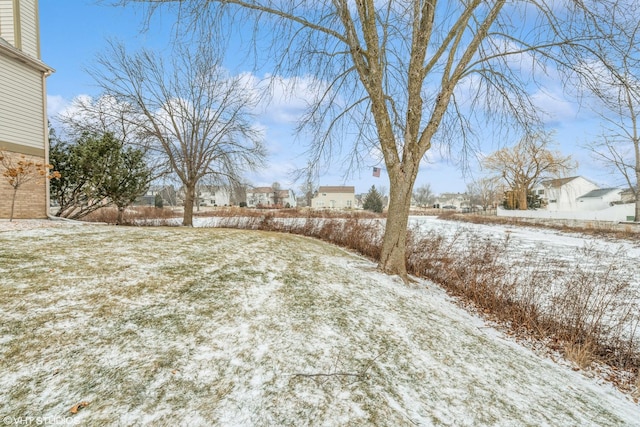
174 326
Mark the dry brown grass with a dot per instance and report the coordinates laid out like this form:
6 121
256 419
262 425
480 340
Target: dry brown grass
133 214
581 354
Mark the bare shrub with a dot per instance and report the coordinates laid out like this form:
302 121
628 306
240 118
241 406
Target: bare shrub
593 302
582 354
586 310
139 215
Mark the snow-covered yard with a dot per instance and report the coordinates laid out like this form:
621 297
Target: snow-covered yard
175 326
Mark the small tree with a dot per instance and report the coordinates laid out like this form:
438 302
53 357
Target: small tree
21 171
309 187
276 187
423 195
97 171
158 202
126 175
373 200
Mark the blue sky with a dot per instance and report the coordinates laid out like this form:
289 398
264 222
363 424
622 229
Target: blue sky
73 32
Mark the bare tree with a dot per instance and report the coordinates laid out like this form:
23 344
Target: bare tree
423 195
195 113
276 188
309 185
615 82
100 115
408 74
483 192
525 164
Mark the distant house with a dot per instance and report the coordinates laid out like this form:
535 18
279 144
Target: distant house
213 195
334 197
602 198
268 197
451 200
562 194
23 115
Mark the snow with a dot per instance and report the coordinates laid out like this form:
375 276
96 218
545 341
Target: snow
173 326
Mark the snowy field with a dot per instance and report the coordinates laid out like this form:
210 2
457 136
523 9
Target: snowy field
546 243
175 326
601 275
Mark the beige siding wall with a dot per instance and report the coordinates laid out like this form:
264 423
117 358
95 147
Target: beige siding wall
30 198
334 200
21 105
6 21
19 25
29 28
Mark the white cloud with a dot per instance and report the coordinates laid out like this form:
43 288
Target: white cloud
553 106
283 100
56 104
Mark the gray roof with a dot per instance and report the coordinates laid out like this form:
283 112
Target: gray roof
557 182
599 192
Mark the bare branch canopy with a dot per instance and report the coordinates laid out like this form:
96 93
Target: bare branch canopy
408 75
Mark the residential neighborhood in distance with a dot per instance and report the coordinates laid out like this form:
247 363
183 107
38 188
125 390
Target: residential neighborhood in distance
562 198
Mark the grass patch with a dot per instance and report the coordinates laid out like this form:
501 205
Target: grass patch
263 329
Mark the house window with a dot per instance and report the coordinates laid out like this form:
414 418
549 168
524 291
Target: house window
348 203
553 201
540 191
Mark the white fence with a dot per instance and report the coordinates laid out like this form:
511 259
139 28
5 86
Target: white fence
615 213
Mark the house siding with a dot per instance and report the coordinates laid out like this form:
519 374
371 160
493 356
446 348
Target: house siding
334 197
23 127
7 26
29 43
562 194
21 105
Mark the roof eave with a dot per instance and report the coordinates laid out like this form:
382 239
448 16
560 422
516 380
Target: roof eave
18 55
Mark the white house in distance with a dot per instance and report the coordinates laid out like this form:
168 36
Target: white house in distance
459 200
562 194
334 197
577 198
268 197
596 200
213 195
23 113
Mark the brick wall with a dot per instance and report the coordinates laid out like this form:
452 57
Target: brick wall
30 198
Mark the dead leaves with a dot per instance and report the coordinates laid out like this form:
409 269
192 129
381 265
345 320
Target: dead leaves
75 408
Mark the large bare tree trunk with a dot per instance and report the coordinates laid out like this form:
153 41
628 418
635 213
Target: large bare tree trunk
522 199
392 255
394 245
636 193
189 197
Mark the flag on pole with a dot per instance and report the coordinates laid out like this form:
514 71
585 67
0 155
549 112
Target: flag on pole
376 172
